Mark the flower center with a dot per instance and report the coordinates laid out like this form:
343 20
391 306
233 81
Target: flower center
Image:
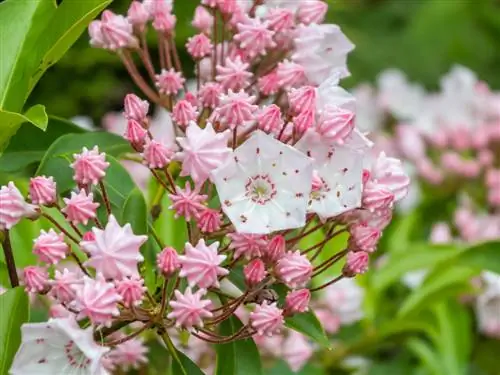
75 356
260 189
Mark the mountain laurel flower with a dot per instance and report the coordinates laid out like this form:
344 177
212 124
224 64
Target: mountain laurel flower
58 346
356 263
269 119
297 301
335 124
255 37
290 74
95 33
377 196
61 287
248 245
200 264
13 206
164 22
35 279
280 19
189 309
130 354
131 290
364 237
202 20
135 134
267 319
275 249
115 252
50 247
254 272
294 269
199 46
169 82
234 74
80 207
209 220
303 121
302 99
167 261
89 166
137 14
389 172
187 202
203 150
209 94
97 300
236 108
265 186
156 155
117 32
43 190
311 11
135 108
184 113
269 84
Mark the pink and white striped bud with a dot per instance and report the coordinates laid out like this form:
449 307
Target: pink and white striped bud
303 121
164 22
290 74
297 301
209 94
187 202
43 190
236 108
13 207
203 20
364 237
62 285
254 272
267 319
137 14
335 124
275 249
135 108
184 112
156 154
209 220
356 263
36 279
254 37
135 134
294 269
168 261
131 289
199 46
280 19
89 166
80 208
312 11
191 98
234 75
50 247
269 119
189 309
95 33
269 84
302 99
376 196
169 82
117 31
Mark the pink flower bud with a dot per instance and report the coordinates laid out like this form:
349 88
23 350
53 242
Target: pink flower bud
209 94
275 249
131 289
187 202
62 285
95 33
13 207
137 14
294 269
156 154
269 118
135 108
169 82
80 208
356 263
269 84
254 272
312 11
303 121
135 134
36 279
191 98
88 236
89 166
485 158
50 247
209 220
267 319
297 301
164 22
440 233
280 19
117 31
184 112
199 46
364 237
376 196
43 190
168 261
189 309
302 99
202 20
290 74
335 124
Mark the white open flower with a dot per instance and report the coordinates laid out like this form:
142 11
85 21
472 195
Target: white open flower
59 347
265 186
339 170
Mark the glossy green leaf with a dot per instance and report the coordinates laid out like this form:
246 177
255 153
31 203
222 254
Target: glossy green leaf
14 311
56 161
308 324
239 357
135 212
30 143
281 368
11 121
184 365
484 256
21 238
172 231
426 355
416 257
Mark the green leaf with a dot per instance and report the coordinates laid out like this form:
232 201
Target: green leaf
415 257
184 365
443 283
308 324
59 156
172 231
239 357
281 368
484 256
135 212
34 35
11 121
30 143
14 311
426 355
21 237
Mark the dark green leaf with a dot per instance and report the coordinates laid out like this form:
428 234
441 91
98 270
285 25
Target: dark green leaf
239 357
172 231
308 324
11 121
184 365
484 256
135 212
14 311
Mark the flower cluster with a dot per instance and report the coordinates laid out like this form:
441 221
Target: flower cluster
266 154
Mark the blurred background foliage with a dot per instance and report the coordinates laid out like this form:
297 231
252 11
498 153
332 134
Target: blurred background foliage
424 38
